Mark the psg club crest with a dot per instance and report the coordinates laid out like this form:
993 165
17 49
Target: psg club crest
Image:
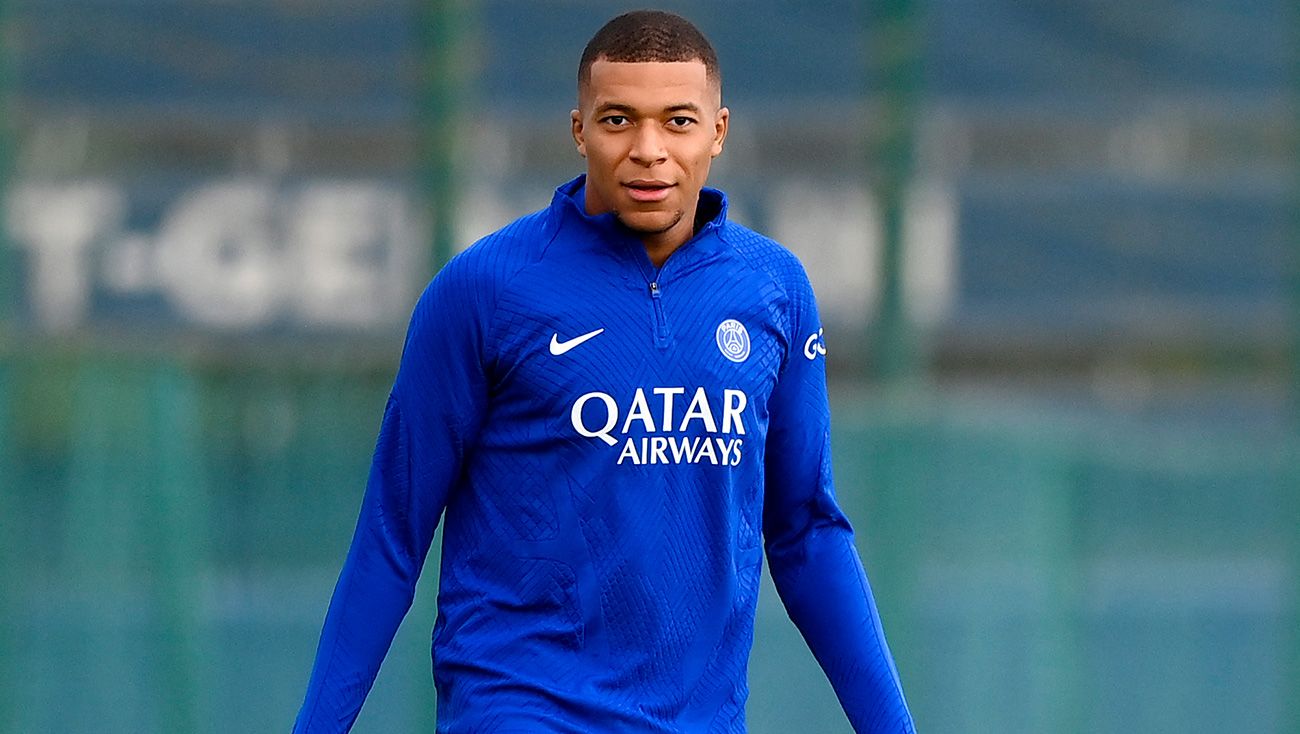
733 340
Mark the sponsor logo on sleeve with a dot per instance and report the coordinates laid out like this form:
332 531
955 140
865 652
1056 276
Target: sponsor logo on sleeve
814 345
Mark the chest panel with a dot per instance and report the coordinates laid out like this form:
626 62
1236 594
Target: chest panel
593 356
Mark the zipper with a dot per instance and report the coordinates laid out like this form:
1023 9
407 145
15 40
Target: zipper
661 323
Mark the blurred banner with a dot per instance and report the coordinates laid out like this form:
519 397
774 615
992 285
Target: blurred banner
233 254
1078 507
1083 171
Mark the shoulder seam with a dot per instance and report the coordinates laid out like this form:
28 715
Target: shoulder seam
749 261
548 222
789 325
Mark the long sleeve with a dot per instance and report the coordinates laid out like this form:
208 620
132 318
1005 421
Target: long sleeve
809 541
433 413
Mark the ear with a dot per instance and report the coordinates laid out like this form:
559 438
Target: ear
575 122
720 130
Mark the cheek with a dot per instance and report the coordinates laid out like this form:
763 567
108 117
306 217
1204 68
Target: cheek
602 157
597 164
702 161
702 149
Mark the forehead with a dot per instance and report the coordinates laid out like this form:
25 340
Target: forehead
649 84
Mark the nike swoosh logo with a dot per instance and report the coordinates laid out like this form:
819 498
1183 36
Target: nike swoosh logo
558 347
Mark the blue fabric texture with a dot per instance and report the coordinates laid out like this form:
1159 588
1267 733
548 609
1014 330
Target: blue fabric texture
611 447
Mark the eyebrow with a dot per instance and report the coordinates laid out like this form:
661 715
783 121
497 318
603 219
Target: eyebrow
630 110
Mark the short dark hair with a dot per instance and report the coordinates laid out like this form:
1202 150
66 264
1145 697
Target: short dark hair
649 35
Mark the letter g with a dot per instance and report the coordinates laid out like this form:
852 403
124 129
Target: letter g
814 345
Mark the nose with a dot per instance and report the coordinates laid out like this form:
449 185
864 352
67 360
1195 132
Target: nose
648 146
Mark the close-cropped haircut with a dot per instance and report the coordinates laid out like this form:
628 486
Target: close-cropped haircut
649 35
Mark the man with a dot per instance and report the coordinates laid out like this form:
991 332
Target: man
612 400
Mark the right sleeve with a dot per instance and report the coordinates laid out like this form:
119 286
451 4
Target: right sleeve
433 415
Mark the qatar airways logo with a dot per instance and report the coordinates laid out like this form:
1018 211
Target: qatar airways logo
667 419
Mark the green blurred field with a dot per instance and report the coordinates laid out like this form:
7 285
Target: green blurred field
174 527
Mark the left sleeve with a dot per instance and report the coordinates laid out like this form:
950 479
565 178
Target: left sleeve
809 541
432 417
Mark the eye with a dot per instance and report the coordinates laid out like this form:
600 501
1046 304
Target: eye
681 121
615 120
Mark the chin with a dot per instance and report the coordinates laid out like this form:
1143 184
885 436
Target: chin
649 222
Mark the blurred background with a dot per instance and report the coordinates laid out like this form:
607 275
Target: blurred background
1055 244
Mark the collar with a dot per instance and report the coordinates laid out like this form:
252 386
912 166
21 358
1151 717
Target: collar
570 205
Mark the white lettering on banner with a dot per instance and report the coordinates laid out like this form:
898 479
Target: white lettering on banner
720 450
220 270
228 254
353 242
59 225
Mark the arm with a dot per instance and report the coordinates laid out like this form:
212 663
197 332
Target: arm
809 541
433 413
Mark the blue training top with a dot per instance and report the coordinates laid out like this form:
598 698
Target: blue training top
609 444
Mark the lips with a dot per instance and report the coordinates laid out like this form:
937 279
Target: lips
647 190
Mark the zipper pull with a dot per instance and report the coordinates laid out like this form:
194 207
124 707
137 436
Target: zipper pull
661 323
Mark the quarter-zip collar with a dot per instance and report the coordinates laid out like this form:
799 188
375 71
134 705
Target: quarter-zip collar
569 207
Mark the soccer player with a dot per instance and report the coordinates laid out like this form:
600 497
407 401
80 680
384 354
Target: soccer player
616 403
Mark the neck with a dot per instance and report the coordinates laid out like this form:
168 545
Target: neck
658 247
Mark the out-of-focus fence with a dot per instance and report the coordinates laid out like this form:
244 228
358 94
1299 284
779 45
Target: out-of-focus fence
1072 572
182 524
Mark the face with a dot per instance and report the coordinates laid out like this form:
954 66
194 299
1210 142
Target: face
649 132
